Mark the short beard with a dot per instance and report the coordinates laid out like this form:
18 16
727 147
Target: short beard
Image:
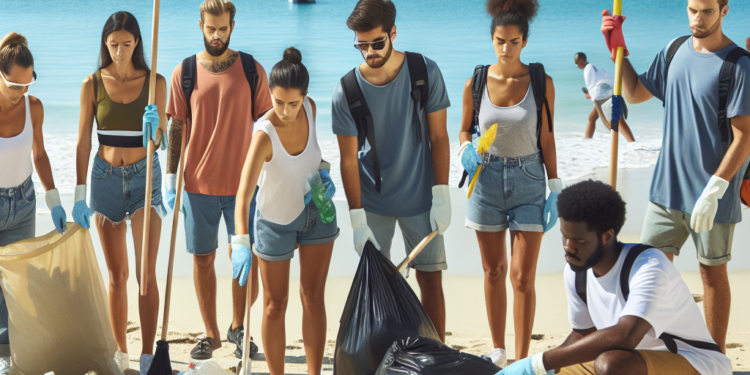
593 260
708 32
383 59
216 51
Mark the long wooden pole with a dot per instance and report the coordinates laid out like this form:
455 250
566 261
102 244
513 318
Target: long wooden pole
418 249
247 363
618 92
150 154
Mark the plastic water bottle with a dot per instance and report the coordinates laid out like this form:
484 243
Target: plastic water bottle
322 202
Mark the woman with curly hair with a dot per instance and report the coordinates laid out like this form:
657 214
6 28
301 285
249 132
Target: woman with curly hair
510 191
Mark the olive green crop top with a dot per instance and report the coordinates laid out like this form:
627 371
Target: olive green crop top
119 125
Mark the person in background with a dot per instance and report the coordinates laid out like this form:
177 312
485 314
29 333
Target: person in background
411 156
221 111
599 89
21 137
697 179
283 153
629 308
510 193
116 98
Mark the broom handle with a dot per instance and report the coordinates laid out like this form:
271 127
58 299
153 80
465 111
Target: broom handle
474 181
172 244
150 155
247 363
416 251
618 92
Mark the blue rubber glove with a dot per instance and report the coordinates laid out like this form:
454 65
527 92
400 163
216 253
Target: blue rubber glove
470 159
81 212
170 191
527 366
550 209
151 125
242 258
52 198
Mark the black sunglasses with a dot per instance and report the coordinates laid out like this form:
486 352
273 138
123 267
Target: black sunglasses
377 44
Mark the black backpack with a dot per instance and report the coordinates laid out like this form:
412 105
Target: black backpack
538 86
420 88
190 74
627 266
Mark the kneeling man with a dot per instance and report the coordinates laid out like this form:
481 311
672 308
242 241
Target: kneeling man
630 310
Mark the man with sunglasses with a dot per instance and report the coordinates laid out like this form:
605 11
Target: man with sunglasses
389 115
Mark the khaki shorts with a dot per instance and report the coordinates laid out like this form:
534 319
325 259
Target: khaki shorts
668 230
657 363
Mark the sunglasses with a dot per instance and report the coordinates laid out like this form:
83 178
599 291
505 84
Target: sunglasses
377 44
18 86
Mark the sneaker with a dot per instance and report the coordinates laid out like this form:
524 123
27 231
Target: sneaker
146 361
496 356
204 349
4 365
122 360
237 337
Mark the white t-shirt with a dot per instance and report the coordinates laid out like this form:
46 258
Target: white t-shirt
599 82
658 295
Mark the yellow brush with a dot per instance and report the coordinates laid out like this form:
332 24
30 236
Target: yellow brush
485 141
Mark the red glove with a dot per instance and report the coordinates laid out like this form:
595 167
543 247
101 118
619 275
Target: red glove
612 30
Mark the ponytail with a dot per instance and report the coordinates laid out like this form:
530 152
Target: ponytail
14 50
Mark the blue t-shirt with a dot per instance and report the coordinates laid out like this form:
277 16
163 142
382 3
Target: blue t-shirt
692 149
405 164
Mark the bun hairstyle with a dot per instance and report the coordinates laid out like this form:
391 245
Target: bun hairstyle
290 73
14 50
512 12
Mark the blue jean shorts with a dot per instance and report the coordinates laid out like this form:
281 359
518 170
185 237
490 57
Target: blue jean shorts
202 217
275 242
509 194
17 213
117 193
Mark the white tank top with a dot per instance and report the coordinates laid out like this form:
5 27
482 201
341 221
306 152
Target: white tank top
283 180
516 126
15 154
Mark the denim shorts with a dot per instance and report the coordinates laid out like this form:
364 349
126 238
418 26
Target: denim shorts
117 193
202 217
414 229
274 242
17 213
509 194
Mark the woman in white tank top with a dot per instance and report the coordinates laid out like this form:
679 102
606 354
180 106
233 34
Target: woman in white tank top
283 152
21 118
510 192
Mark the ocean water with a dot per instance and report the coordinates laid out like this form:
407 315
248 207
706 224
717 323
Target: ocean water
64 37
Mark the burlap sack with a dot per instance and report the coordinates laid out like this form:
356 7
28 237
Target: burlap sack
57 306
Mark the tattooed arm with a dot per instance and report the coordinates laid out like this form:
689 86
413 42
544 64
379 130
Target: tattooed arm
174 145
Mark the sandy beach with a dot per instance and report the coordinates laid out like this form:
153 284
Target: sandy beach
466 315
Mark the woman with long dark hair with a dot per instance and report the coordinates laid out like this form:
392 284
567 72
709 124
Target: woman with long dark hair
283 153
510 190
116 96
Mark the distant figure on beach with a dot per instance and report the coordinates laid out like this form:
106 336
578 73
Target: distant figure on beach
696 183
599 89
510 192
629 308
116 96
21 137
395 164
228 92
283 153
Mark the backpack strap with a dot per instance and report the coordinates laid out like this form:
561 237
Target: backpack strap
726 77
420 88
673 48
671 344
539 86
478 83
251 74
581 278
627 266
188 77
362 118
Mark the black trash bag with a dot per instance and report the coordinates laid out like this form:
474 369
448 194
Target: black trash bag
426 356
381 309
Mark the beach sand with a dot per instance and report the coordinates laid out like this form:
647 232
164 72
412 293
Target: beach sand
467 325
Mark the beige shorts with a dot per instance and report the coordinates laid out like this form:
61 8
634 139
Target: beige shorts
668 230
657 363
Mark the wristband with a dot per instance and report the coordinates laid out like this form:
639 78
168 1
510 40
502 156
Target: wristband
537 363
241 240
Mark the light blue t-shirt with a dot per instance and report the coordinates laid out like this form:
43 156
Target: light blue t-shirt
405 165
692 149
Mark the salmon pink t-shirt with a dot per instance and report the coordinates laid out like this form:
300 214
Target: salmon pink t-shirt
223 115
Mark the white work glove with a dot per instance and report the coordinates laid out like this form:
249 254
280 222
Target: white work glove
440 214
362 232
704 212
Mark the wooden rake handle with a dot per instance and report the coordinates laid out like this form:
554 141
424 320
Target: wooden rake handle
413 255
